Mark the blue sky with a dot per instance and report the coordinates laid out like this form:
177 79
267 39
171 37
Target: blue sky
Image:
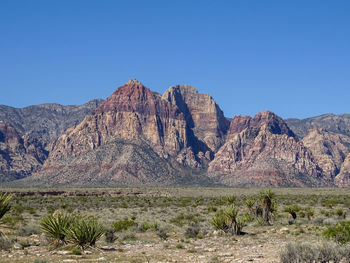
290 57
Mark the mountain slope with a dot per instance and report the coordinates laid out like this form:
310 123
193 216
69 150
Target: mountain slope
19 157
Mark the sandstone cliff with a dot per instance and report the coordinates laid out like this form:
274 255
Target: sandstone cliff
204 117
263 151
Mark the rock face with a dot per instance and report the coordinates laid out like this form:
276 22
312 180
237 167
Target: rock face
330 122
132 112
141 134
204 117
329 150
32 129
139 137
19 157
263 151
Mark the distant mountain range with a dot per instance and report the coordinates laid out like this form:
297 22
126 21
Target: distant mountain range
139 137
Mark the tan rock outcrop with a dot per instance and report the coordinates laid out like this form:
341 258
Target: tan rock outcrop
329 150
204 117
343 178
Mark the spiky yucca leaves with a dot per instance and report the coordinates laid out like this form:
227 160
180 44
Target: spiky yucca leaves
219 221
5 206
55 226
250 202
228 221
85 232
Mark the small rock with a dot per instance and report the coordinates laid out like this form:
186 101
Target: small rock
108 248
62 252
87 252
69 260
17 246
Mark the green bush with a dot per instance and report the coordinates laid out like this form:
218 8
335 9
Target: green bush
162 234
148 226
193 230
305 252
110 235
340 213
85 232
124 224
292 210
340 232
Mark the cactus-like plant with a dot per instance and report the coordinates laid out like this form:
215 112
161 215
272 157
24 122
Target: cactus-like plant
85 232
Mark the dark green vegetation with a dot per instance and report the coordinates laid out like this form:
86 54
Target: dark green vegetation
126 216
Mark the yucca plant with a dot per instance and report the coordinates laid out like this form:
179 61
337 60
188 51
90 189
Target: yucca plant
55 226
5 206
85 232
250 202
219 221
228 221
267 200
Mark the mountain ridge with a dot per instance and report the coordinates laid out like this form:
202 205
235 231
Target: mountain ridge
140 137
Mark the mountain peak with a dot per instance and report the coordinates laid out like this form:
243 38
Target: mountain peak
133 81
275 123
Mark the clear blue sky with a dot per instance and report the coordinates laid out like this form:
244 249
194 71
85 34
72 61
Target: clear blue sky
290 57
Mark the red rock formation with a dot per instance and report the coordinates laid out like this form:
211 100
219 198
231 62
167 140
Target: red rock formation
263 151
132 112
141 124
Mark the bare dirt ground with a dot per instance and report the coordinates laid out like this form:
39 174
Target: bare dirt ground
258 244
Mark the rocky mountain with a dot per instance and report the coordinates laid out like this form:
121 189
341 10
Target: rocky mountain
330 122
263 151
329 150
148 138
25 134
140 137
19 157
45 122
